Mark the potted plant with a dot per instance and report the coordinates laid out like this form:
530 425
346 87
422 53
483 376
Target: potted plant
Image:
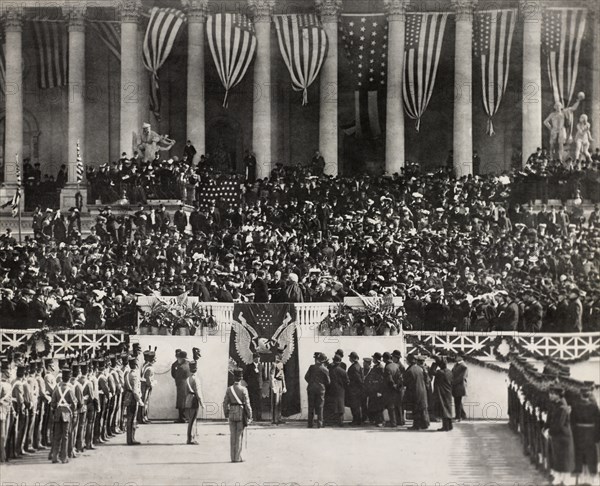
154 317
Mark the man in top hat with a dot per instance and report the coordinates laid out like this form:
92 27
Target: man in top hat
148 383
236 406
460 372
132 399
193 402
318 380
180 371
354 396
416 392
6 408
253 376
63 404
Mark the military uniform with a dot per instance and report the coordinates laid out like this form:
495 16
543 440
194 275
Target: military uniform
148 383
63 404
235 404
132 400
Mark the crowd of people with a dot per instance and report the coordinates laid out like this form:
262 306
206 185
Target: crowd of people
457 250
557 418
83 403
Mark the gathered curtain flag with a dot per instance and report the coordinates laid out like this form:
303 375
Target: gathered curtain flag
423 45
80 168
110 35
365 38
2 62
52 46
232 41
163 27
303 44
492 40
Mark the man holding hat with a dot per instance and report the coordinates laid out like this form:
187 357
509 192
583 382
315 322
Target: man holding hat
63 405
354 396
236 406
318 379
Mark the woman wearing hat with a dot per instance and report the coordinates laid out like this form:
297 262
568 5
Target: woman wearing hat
236 406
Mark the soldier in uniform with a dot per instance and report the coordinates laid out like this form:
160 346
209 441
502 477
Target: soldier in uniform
236 406
6 408
78 392
180 371
19 391
278 389
43 401
91 389
585 423
105 395
32 400
354 396
133 399
562 450
318 379
148 383
193 402
84 384
49 386
63 403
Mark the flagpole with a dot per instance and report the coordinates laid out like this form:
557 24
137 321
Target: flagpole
19 216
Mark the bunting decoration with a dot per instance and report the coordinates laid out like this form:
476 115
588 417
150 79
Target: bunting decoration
52 46
163 27
424 37
303 44
16 200
232 41
492 40
80 169
110 35
365 38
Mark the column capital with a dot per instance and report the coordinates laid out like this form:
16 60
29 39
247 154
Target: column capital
531 10
464 9
594 9
328 9
129 10
262 9
396 9
75 14
13 19
196 10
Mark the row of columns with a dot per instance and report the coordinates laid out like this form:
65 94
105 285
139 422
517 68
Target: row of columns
134 83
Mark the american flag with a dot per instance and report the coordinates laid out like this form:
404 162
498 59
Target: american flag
52 46
303 45
16 200
110 34
384 305
79 165
224 193
562 32
163 27
492 41
424 37
232 41
365 39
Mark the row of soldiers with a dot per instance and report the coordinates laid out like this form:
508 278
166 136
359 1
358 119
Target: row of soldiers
84 403
557 418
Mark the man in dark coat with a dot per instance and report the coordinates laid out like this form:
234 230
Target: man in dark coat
416 393
292 291
573 321
354 395
374 384
435 313
254 379
396 355
318 379
180 219
508 319
562 449
585 422
393 383
261 289
442 390
335 394
459 386
180 371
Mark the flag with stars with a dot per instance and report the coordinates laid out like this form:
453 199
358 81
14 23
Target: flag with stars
562 32
492 41
268 329
365 38
223 193
422 48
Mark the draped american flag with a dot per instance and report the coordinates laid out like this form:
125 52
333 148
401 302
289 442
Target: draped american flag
109 33
79 165
492 40
52 46
384 305
424 37
232 41
16 200
303 45
562 32
365 38
225 193
163 27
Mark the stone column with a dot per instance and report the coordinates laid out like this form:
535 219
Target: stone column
328 114
76 105
595 114
13 123
196 128
394 137
261 112
130 50
463 87
531 13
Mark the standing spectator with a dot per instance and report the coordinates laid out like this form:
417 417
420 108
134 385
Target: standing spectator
180 371
355 389
250 167
254 379
189 151
573 322
562 458
193 402
459 386
318 379
335 394
442 390
416 393
278 389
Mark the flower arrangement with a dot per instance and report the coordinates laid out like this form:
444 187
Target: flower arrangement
177 316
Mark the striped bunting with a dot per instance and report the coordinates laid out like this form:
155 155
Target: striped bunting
303 45
52 46
109 33
163 27
79 165
232 41
16 200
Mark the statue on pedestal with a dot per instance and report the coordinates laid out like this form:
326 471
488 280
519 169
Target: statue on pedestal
556 122
150 142
583 139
